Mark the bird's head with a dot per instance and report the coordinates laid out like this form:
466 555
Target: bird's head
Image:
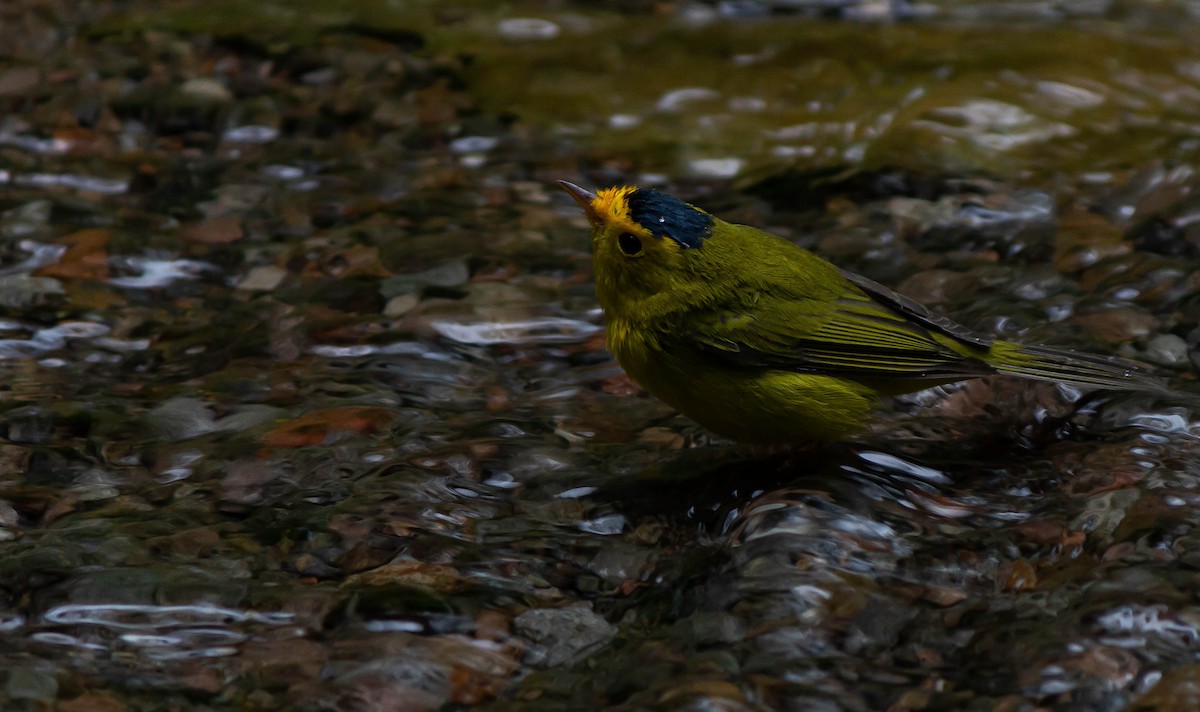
644 243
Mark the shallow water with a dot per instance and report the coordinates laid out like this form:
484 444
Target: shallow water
304 401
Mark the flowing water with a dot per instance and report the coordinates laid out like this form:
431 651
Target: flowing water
304 402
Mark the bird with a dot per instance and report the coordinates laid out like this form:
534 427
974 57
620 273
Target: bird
762 341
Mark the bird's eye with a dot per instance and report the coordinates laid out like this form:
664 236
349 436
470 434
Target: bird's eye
629 243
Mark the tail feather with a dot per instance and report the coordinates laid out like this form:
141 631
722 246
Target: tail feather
1082 369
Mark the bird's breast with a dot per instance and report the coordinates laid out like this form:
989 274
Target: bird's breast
635 347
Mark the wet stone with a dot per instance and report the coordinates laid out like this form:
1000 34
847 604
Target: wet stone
180 419
8 514
1176 691
1022 222
617 563
447 274
114 586
1167 350
527 28
205 89
19 80
29 424
1193 344
1119 325
249 416
401 305
37 567
19 291
710 628
263 279
245 482
562 636
27 220
25 683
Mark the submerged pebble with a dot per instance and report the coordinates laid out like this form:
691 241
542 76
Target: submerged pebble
562 635
1167 350
527 28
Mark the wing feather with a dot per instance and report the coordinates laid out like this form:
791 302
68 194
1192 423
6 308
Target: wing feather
869 332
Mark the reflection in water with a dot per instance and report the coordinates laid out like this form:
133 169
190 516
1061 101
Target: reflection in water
161 633
154 617
538 331
151 273
94 184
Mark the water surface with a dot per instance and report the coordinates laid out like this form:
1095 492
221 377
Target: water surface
306 404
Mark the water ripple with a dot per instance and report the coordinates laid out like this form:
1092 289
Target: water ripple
50 339
149 617
154 273
547 330
41 256
93 184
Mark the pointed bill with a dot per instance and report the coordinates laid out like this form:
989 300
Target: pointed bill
584 197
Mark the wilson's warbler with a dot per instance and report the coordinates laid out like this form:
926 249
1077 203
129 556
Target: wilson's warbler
762 341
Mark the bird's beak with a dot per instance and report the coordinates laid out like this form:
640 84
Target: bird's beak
584 198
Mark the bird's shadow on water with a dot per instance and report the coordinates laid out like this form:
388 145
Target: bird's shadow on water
968 485
1002 448
921 487
709 488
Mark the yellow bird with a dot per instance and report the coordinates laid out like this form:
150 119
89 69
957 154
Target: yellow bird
762 341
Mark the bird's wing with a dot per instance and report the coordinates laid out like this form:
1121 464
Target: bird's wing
869 332
917 312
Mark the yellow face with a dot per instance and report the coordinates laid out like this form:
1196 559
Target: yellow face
640 244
